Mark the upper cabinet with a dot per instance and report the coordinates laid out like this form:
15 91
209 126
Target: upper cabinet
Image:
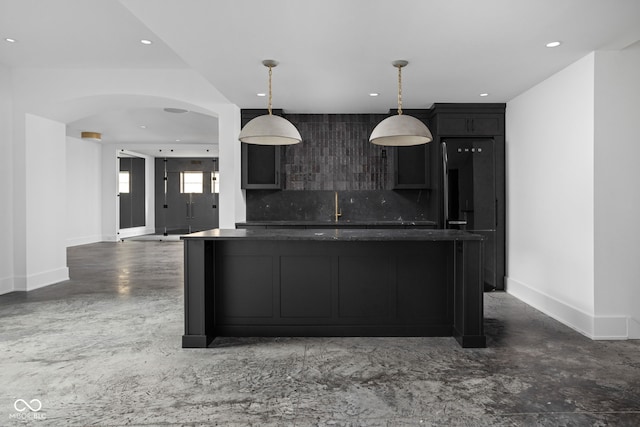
261 164
411 168
471 124
469 119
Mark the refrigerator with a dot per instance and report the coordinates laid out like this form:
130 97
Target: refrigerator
470 202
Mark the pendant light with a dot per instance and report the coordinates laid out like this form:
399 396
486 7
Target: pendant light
400 130
269 129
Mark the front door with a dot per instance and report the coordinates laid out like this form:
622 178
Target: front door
189 202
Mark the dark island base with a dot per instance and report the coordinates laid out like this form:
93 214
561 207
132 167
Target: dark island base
465 341
245 287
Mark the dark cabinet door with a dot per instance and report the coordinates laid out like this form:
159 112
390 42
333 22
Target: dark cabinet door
411 167
470 124
260 163
261 167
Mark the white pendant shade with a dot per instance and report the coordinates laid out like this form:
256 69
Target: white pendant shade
400 131
270 130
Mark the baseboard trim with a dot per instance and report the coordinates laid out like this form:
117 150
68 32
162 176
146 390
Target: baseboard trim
6 285
634 328
86 240
124 233
40 280
593 327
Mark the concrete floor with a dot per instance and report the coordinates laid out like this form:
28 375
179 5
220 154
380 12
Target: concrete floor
104 349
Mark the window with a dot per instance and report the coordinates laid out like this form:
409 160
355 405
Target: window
215 182
191 182
124 182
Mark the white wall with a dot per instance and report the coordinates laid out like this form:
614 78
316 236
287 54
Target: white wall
84 186
233 205
550 236
42 102
6 178
109 194
45 210
617 195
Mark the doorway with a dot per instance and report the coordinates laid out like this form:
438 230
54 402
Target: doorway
131 185
187 194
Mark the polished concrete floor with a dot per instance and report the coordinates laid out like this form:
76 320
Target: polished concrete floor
104 349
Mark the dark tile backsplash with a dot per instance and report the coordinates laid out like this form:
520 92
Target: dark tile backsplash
335 154
319 205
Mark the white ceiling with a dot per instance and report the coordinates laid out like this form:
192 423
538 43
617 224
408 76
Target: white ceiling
332 53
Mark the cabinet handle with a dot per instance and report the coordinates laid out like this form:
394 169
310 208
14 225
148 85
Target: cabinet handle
188 210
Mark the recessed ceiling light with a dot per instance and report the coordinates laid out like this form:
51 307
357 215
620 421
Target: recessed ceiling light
261 94
10 40
374 94
143 127
177 140
553 44
145 41
484 94
176 110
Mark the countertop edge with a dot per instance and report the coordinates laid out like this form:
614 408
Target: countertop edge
336 234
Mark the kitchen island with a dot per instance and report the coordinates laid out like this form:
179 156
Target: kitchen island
333 282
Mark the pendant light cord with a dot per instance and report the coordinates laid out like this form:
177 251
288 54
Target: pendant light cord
270 73
399 91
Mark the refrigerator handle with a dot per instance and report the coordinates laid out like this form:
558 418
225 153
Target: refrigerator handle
445 175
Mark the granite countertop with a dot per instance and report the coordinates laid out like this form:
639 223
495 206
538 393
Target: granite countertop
340 222
335 234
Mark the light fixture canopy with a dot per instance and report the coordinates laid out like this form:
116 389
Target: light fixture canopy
93 136
269 129
400 130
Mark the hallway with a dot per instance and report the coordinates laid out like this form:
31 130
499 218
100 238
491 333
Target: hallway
104 349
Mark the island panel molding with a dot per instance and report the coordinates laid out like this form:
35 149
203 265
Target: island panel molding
333 282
